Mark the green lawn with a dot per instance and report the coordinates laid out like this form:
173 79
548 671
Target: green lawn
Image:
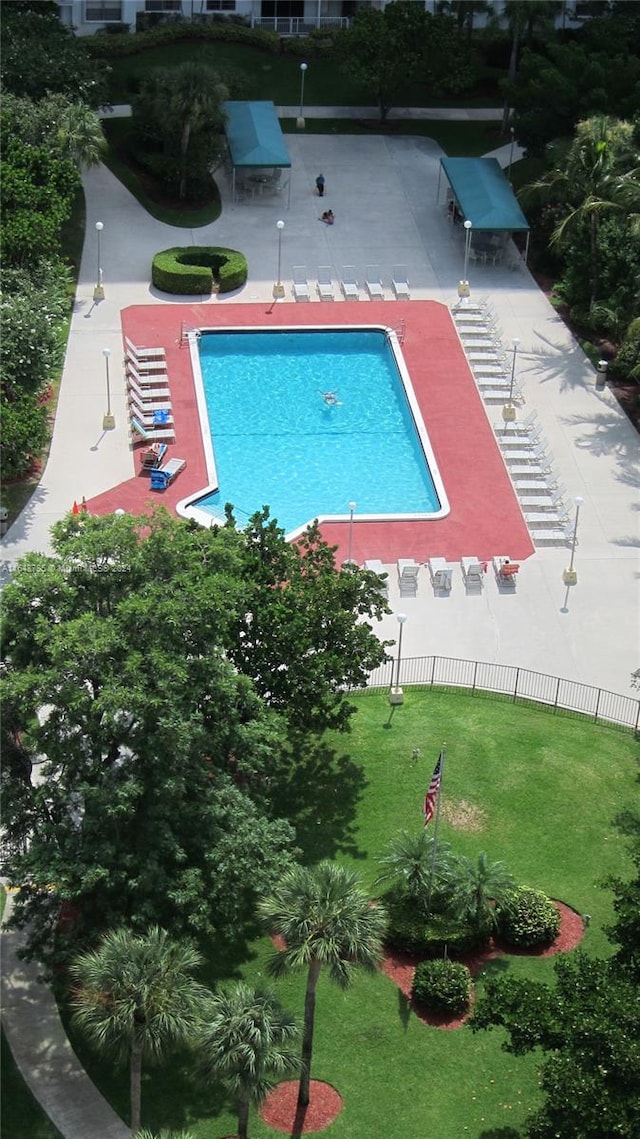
545 788
251 73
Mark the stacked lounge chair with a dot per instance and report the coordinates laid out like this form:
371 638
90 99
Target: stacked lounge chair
150 410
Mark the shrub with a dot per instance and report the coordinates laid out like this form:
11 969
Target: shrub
442 986
111 47
526 918
193 269
410 931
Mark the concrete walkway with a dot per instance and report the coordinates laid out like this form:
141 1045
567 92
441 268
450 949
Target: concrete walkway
43 1054
389 210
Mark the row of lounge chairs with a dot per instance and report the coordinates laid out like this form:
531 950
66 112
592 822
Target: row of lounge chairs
150 412
441 574
349 284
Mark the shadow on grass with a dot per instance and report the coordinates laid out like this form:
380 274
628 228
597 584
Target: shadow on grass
501 1133
319 794
404 1009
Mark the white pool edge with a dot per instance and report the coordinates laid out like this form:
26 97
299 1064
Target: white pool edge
188 508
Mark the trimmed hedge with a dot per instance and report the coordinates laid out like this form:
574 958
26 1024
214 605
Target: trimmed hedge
409 931
527 918
193 269
442 986
114 47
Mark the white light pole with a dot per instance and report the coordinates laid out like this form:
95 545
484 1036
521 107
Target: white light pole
278 288
570 576
98 292
463 285
513 138
509 411
352 506
397 696
108 420
300 119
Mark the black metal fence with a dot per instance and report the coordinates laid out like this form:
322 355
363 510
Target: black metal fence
518 684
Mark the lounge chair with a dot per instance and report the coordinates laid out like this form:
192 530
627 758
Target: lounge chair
325 284
400 282
145 395
506 571
145 367
144 353
440 574
154 419
164 476
146 408
146 379
300 284
408 577
152 456
153 434
349 284
373 282
473 571
376 566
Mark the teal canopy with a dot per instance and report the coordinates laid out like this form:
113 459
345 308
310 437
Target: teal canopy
254 135
483 194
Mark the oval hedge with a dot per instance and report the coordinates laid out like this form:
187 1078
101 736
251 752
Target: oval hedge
193 269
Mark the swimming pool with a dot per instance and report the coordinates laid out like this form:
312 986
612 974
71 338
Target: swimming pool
307 421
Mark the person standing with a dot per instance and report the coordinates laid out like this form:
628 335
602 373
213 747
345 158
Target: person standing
320 185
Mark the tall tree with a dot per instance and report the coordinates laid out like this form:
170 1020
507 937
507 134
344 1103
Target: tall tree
162 739
135 998
383 49
598 174
324 917
247 1042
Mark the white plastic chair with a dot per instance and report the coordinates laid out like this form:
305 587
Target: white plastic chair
349 284
373 281
400 282
325 284
300 283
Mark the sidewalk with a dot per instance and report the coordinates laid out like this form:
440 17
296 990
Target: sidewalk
43 1054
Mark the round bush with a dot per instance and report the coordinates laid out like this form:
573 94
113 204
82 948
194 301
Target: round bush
192 270
442 986
527 918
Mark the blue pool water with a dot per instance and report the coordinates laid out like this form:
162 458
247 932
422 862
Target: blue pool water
276 441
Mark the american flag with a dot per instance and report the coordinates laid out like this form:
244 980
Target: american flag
431 797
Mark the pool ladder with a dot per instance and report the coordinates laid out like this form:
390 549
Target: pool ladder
186 333
400 330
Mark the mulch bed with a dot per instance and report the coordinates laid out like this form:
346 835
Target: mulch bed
280 1108
400 967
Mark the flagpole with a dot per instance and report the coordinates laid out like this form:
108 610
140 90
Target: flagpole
435 826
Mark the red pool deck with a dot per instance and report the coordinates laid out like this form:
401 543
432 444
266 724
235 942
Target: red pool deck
485 516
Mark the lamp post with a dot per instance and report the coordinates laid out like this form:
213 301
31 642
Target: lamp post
396 695
109 419
278 288
463 285
513 138
300 119
509 411
570 575
352 506
98 292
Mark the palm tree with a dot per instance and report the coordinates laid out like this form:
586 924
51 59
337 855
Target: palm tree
135 998
144 1134
418 864
246 1041
596 174
80 131
193 99
324 918
476 887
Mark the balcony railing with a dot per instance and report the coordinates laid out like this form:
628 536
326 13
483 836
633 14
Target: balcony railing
297 25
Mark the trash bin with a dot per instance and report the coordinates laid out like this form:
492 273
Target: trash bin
601 376
4 521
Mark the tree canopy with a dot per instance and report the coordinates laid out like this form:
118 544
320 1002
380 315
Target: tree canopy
129 673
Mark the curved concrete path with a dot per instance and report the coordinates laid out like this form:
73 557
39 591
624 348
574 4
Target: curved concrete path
42 1052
